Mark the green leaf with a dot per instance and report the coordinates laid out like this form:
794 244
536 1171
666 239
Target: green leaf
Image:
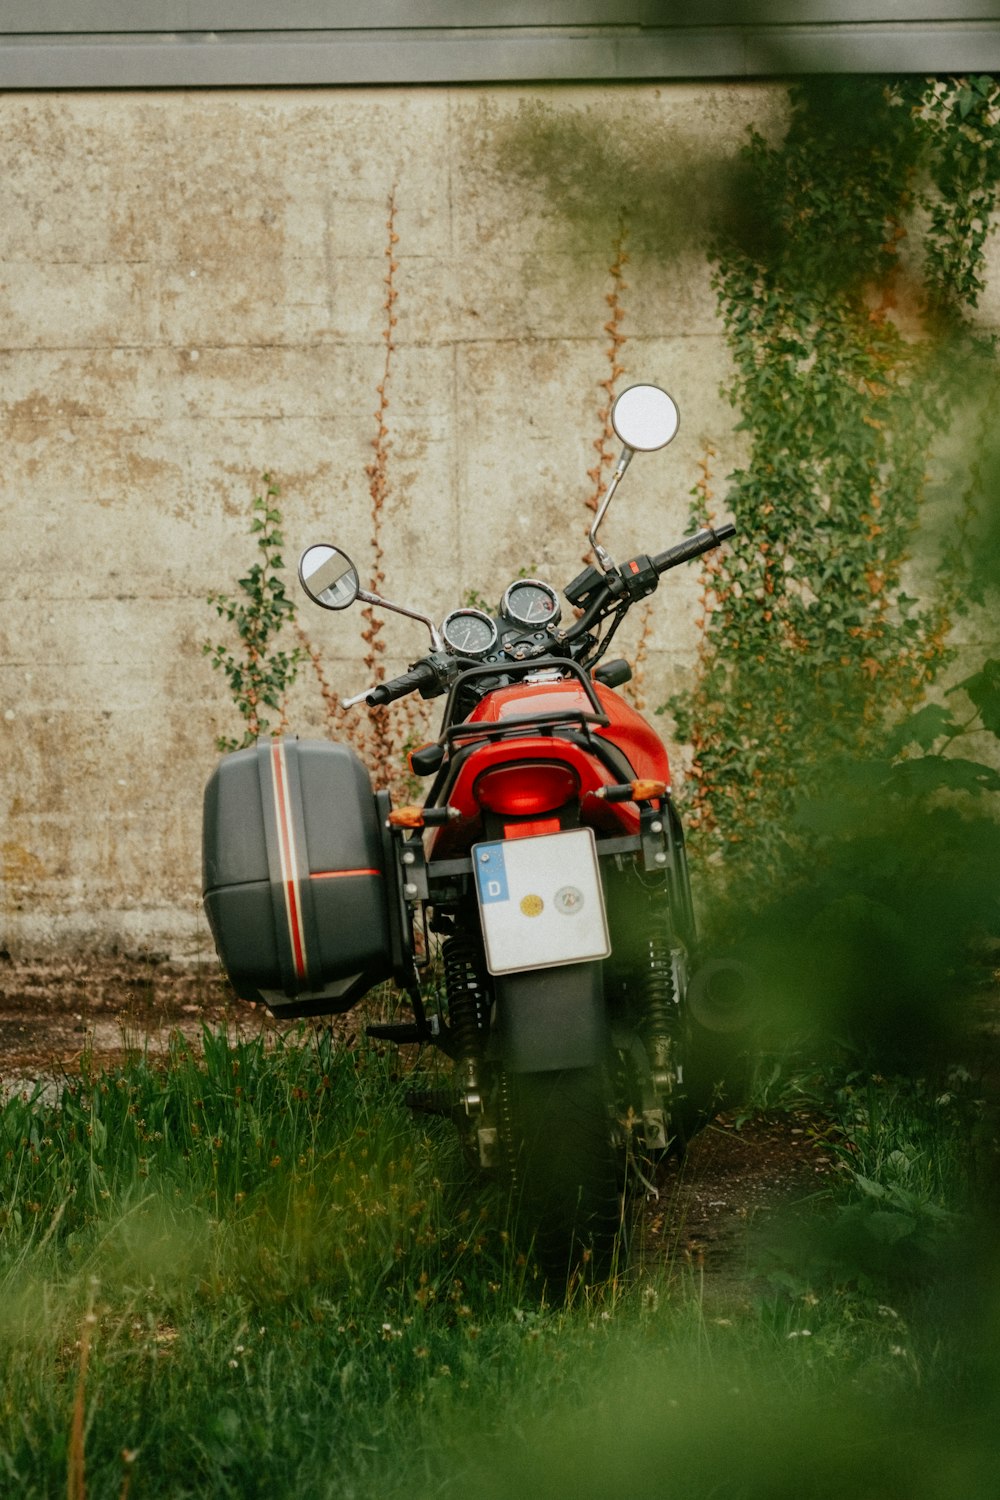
922 728
935 773
983 687
890 1228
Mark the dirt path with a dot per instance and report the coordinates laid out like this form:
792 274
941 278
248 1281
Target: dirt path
731 1182
52 1013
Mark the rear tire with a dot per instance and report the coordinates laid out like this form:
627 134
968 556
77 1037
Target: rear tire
565 1172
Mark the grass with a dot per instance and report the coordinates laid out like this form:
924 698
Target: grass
250 1272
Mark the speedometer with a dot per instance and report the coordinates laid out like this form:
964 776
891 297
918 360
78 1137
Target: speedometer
469 632
531 603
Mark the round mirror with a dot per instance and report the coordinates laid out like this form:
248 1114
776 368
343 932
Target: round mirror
328 576
645 418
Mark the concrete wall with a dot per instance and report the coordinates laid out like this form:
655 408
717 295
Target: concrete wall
192 291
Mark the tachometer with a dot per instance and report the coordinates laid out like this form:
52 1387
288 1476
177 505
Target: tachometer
469 632
531 603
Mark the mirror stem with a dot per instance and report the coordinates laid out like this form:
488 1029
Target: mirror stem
412 614
605 559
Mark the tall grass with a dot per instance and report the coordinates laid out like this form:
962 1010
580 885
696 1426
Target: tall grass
249 1272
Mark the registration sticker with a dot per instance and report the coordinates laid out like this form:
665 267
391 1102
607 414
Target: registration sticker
541 902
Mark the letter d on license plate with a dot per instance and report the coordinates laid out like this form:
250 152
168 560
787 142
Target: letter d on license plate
541 902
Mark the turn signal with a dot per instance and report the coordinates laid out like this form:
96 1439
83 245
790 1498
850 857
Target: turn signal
633 791
421 817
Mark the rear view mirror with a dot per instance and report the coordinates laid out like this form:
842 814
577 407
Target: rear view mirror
645 418
328 576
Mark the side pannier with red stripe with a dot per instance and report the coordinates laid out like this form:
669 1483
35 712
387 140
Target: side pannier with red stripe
294 877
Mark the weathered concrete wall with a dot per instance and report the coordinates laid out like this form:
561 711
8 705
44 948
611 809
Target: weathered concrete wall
192 291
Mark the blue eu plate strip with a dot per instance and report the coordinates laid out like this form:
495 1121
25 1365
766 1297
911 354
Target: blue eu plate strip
491 873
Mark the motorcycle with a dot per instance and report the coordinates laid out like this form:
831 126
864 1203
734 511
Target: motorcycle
544 875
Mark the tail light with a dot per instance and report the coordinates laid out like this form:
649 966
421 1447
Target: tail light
526 789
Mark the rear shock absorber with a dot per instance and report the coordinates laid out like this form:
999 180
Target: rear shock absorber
467 1016
659 1010
505 1123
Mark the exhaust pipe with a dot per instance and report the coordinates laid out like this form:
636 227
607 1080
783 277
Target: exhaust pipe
722 996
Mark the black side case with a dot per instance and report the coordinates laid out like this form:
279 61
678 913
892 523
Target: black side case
294 876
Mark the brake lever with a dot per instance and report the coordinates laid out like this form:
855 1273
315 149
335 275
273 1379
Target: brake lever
358 697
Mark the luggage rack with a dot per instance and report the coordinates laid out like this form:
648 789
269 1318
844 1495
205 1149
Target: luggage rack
576 718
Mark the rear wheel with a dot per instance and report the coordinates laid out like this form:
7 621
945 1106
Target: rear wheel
565 1171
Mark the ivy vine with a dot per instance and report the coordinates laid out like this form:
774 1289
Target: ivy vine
844 277
258 673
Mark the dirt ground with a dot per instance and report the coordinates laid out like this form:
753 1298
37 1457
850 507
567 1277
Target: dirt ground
732 1183
53 1012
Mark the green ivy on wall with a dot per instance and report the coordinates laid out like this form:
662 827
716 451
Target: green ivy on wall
258 673
844 273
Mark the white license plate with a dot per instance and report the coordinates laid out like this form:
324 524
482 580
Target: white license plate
541 901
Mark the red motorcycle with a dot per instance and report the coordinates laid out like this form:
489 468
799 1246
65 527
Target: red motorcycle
542 882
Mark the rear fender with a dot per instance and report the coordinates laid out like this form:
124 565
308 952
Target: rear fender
548 1019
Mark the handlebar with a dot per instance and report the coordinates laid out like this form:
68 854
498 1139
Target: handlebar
420 676
693 546
600 596
640 576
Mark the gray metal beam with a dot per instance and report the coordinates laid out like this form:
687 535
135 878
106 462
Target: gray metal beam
75 17
372 54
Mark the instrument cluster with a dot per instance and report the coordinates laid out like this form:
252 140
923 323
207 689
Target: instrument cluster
527 605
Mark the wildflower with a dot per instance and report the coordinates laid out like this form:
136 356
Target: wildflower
801 1333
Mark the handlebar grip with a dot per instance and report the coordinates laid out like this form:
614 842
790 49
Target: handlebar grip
693 546
398 687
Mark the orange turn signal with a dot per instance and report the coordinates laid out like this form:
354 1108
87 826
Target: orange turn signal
633 791
421 817
645 791
406 817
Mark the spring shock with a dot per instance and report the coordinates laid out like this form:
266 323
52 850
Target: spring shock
506 1124
658 998
466 1015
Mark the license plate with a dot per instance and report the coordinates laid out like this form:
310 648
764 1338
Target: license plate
541 901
